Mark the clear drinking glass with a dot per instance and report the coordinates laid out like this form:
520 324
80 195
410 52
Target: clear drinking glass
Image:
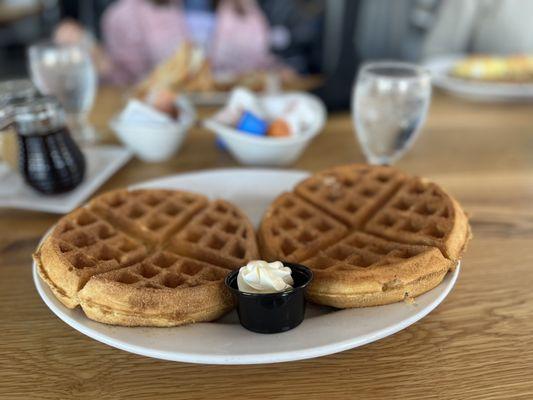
390 101
67 72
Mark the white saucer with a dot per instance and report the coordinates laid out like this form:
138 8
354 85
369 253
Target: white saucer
324 331
102 162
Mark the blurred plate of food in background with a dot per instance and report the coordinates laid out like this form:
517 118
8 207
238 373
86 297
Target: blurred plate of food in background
484 77
189 71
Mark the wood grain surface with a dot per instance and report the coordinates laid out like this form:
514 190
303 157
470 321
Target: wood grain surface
478 344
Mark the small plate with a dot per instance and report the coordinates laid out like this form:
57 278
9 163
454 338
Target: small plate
102 162
440 66
324 330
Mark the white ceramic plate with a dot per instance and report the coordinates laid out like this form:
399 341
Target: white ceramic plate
475 90
102 162
324 330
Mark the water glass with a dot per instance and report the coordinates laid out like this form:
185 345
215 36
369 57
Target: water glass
389 105
67 72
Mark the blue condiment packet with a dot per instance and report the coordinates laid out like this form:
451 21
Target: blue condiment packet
252 124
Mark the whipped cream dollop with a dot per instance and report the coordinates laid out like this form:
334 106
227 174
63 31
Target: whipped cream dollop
263 277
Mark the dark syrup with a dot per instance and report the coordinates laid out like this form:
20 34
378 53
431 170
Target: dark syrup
51 163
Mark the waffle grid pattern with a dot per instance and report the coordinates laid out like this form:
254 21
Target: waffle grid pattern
166 270
351 195
360 250
416 212
300 228
87 241
125 237
151 215
389 217
219 235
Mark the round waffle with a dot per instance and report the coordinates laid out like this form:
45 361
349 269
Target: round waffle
371 234
147 257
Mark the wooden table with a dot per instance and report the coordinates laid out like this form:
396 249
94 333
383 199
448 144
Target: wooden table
477 345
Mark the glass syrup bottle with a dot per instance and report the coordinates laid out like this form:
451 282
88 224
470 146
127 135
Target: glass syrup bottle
49 159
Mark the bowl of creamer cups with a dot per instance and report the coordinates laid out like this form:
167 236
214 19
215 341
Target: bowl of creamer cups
307 111
151 135
272 312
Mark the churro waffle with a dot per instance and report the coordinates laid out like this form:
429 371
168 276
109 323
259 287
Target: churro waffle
364 270
81 245
163 290
401 235
131 233
351 193
220 234
152 215
421 212
294 231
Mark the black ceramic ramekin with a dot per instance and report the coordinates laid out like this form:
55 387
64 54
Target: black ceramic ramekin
272 312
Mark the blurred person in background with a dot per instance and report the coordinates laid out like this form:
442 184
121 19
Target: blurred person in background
360 30
139 34
481 26
296 32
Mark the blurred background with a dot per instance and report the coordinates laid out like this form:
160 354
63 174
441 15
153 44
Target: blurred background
311 37
266 77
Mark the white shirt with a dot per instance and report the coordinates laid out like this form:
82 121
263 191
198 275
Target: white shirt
482 26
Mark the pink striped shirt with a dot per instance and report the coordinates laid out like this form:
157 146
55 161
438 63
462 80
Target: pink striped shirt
139 34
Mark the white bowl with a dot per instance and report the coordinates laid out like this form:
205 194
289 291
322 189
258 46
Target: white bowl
154 141
254 150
